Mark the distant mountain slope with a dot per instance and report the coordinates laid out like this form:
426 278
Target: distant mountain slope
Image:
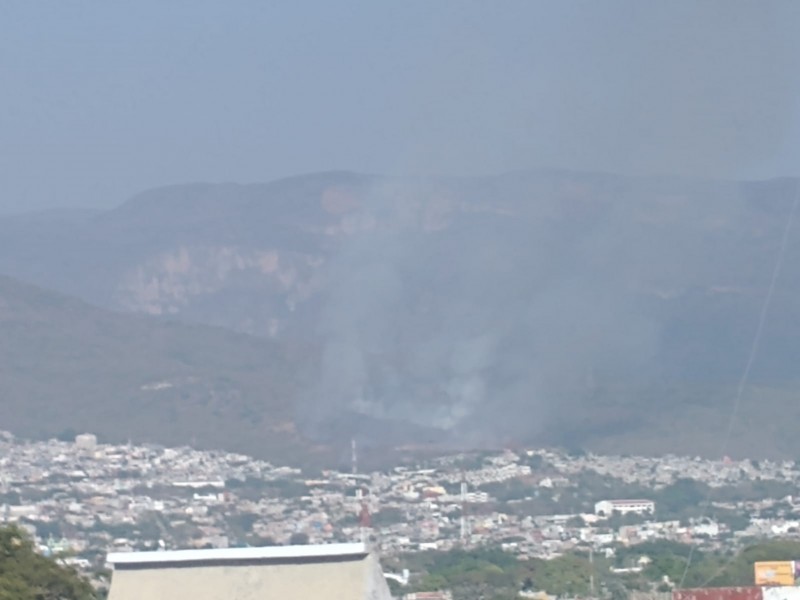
65 365
571 308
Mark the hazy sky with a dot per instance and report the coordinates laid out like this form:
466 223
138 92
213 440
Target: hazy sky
99 100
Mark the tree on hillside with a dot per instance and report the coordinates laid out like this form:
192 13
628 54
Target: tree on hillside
738 571
26 575
298 539
683 498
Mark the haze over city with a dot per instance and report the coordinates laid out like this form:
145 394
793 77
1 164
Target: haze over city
447 300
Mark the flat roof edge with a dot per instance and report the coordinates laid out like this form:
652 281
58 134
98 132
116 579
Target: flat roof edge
218 555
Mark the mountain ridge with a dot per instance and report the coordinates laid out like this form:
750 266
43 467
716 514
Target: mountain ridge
562 307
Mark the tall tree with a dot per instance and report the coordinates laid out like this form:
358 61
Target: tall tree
27 575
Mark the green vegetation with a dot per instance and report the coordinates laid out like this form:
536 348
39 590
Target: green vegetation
492 574
668 559
26 575
64 364
738 570
298 539
387 516
261 542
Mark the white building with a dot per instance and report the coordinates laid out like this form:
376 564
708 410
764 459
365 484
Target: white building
709 528
342 571
607 508
86 441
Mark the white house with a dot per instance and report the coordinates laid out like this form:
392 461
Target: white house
709 528
606 508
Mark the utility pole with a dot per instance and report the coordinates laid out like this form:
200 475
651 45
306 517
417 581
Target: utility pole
464 523
364 519
463 512
591 572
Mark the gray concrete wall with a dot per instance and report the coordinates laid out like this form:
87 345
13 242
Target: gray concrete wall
359 579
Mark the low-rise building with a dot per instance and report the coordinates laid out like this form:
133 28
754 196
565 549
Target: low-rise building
609 507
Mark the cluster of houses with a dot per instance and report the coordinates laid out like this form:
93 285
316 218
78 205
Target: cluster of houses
89 498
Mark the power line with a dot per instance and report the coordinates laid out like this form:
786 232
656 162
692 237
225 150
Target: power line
754 348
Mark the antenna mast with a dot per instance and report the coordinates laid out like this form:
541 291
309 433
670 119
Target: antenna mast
464 532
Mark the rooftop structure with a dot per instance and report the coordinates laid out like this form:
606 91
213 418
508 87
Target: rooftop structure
346 571
638 506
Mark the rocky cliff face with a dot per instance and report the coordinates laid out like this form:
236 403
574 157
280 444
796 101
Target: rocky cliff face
194 279
177 281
